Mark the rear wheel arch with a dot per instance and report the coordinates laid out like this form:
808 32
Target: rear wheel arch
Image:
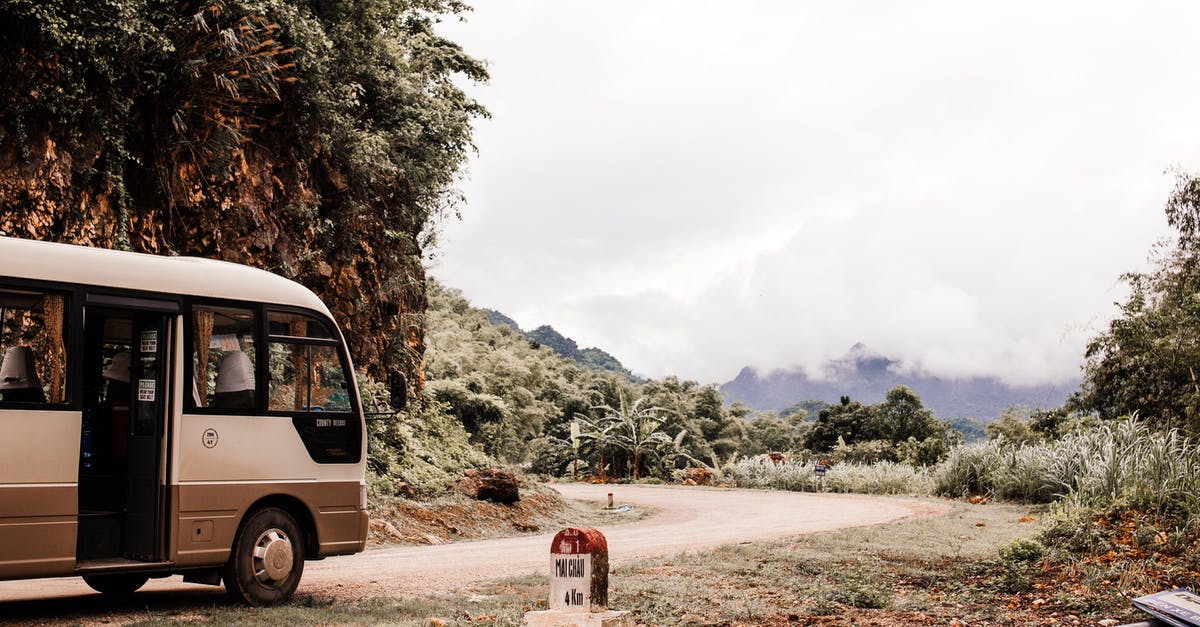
298 510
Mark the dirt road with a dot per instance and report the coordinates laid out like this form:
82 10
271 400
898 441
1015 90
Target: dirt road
686 519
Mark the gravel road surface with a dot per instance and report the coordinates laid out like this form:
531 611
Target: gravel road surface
685 519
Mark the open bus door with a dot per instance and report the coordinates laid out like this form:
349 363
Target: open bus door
121 484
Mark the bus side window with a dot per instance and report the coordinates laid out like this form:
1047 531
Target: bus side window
223 357
307 373
32 348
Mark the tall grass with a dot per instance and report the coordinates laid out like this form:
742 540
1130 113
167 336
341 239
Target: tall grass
1114 463
1122 462
877 478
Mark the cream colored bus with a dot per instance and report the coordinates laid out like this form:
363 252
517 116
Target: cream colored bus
163 415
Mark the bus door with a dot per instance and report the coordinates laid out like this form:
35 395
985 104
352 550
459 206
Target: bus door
121 486
148 418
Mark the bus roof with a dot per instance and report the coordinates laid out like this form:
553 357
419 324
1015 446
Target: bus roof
192 276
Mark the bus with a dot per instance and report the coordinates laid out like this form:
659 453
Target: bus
172 415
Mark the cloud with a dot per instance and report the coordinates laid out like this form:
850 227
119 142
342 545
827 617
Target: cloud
696 187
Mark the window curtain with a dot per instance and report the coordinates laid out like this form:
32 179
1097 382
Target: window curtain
52 311
202 338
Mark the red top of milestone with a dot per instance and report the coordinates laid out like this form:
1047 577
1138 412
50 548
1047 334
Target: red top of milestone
575 540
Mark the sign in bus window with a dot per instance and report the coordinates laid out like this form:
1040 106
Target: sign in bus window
32 350
307 377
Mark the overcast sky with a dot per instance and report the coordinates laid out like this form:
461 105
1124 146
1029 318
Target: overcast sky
700 186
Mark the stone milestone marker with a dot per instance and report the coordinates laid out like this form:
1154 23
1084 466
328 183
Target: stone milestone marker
579 583
579 571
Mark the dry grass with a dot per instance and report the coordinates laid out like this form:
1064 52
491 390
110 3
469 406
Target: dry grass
927 572
455 517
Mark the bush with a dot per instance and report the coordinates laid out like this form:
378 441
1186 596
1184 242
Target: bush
1014 564
877 478
867 452
424 446
1115 462
551 457
861 593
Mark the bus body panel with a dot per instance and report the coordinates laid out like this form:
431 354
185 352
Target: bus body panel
37 530
191 276
209 515
251 458
39 500
251 448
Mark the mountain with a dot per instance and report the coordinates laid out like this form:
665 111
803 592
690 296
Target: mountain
499 319
866 377
547 336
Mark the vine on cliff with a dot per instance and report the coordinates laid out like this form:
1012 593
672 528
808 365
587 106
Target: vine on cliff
320 140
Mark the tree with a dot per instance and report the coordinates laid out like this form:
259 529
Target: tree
848 421
767 432
597 438
1013 427
636 430
319 140
901 416
1148 360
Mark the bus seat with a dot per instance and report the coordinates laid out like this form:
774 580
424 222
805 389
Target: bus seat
18 376
235 382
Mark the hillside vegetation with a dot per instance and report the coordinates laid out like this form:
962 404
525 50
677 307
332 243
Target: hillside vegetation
318 140
494 392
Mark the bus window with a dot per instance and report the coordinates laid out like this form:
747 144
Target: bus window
308 382
306 373
223 357
32 350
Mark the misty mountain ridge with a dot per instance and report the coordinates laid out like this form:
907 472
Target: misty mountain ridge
866 377
547 336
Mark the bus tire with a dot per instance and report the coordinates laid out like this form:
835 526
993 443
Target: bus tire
267 559
115 585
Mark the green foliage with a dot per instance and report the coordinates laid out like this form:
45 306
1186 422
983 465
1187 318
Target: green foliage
902 416
972 429
593 358
1014 564
518 402
425 447
320 140
927 452
863 452
804 409
847 422
767 432
1013 427
875 478
551 457
1145 362
1122 462
899 428
503 391
629 432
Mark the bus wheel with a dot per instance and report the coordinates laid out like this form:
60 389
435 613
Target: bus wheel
115 585
267 559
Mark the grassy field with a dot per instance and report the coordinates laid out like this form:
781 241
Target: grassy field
933 571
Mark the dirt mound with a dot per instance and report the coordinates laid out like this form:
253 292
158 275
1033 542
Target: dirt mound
454 517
